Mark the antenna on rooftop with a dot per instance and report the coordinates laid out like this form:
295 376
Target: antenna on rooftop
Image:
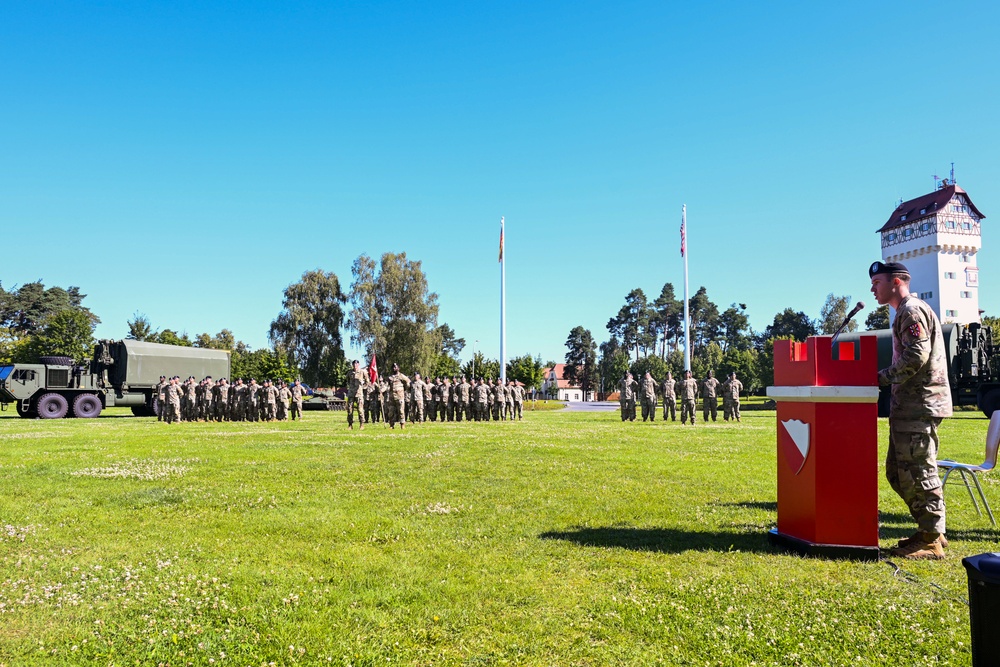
953 173
935 181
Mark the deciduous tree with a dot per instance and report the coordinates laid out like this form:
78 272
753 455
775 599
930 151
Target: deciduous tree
307 330
581 360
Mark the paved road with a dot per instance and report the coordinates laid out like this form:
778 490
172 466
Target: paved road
596 406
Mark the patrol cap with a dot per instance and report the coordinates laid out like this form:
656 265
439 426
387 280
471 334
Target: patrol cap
883 267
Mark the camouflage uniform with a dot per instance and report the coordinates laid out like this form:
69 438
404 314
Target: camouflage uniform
445 407
648 399
238 407
220 400
626 397
397 384
498 400
688 389
669 398
921 397
508 400
191 400
357 383
283 395
518 402
462 392
296 400
482 400
270 402
172 396
253 401
417 390
160 407
709 400
731 396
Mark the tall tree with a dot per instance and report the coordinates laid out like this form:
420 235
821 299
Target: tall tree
27 308
140 328
527 370
789 324
734 327
581 360
704 320
393 313
69 332
307 330
667 318
613 365
832 315
878 319
481 367
631 324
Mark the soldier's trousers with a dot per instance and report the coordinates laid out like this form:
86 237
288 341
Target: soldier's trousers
282 410
221 411
253 412
269 411
518 410
355 404
237 415
509 410
911 468
727 408
734 409
296 409
648 409
670 405
628 409
709 405
396 406
417 412
461 409
688 409
173 411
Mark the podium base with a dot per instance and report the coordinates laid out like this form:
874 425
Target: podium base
835 551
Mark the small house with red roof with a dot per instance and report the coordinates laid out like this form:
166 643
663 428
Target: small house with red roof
937 236
556 385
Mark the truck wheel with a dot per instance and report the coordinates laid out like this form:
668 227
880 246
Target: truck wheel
52 406
56 361
990 402
86 406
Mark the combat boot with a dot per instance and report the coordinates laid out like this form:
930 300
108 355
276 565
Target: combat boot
918 537
920 549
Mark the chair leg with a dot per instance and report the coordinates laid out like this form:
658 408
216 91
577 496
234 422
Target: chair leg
975 478
972 497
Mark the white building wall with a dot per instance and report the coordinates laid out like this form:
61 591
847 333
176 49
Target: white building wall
941 260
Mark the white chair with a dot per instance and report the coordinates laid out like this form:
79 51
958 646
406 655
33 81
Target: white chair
967 470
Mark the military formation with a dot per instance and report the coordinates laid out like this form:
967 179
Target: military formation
687 390
219 400
398 399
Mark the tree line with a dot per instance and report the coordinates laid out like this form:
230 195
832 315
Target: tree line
648 335
388 311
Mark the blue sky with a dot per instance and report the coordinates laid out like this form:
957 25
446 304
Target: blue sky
189 160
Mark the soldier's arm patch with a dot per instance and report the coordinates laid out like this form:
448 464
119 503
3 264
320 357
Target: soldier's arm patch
916 331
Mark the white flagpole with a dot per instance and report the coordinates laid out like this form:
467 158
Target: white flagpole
687 314
503 307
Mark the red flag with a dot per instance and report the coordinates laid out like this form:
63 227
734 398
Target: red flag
500 259
373 369
683 238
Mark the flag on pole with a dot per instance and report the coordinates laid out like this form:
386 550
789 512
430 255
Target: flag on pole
683 237
373 369
500 259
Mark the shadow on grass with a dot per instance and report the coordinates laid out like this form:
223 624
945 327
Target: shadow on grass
662 540
766 506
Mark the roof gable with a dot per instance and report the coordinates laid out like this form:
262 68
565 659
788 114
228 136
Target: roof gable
930 204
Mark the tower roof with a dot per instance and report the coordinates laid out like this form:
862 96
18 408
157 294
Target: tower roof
931 203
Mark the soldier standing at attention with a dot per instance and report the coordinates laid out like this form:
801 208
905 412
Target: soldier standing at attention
296 392
648 397
357 382
191 399
688 392
626 397
253 401
735 387
727 408
669 398
172 393
418 387
447 406
161 397
508 398
462 400
270 400
518 402
710 402
397 393
221 400
921 398
283 395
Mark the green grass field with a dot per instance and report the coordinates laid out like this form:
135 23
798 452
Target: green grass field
568 539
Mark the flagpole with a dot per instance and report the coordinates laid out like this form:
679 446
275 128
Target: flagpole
503 308
687 314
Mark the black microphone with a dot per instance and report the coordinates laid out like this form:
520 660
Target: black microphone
854 311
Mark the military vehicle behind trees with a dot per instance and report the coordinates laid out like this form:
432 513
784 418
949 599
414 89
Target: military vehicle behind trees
121 373
972 368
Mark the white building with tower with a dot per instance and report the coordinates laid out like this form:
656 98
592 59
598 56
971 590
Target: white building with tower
937 236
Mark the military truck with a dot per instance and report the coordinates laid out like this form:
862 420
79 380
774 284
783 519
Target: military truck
121 373
972 367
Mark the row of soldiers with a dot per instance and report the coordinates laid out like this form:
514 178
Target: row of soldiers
221 400
397 398
687 388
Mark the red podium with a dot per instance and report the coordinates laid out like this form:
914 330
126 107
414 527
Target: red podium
827 447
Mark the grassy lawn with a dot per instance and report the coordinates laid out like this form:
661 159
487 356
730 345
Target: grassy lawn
568 539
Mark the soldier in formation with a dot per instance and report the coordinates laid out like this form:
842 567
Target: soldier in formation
709 397
648 397
731 389
626 397
669 397
687 389
357 384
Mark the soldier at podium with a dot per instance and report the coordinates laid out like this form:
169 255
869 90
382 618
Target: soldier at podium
921 397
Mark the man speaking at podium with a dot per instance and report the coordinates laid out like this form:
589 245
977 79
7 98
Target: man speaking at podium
921 397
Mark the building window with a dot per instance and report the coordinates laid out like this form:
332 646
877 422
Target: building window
923 211
951 313
924 227
949 275
892 236
908 233
950 224
964 259
965 295
902 217
576 397
926 295
967 226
